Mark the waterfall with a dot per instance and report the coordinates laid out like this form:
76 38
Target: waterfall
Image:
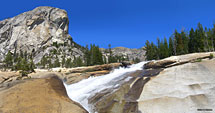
83 90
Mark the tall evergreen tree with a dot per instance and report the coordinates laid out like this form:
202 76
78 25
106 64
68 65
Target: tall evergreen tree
159 47
56 62
68 63
210 40
148 50
213 35
192 43
8 60
87 56
200 38
171 51
179 45
166 48
63 61
185 42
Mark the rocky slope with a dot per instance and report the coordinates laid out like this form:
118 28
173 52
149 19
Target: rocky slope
38 96
69 75
40 32
43 91
126 52
179 84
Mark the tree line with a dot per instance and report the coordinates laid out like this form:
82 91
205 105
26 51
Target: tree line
92 56
19 61
57 58
196 40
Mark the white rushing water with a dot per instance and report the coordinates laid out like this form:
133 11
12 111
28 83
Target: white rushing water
83 90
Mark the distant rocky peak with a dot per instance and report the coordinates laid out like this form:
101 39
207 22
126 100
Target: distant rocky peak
34 30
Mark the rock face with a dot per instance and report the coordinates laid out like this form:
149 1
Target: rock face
179 84
38 96
44 32
131 53
180 89
35 32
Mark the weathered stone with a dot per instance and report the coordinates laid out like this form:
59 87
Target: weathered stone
151 72
69 75
179 84
123 51
35 31
122 99
180 89
38 96
177 60
158 64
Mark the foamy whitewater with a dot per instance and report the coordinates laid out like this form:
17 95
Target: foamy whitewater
83 90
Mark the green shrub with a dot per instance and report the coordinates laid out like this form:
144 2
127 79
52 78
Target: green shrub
198 60
24 73
211 56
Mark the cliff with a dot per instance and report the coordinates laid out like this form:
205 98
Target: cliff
39 32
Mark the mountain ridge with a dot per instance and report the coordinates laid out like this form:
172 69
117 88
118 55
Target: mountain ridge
36 31
42 34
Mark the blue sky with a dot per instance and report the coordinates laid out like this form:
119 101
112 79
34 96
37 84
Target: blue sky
127 23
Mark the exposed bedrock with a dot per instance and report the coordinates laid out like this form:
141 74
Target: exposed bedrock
179 84
35 32
47 95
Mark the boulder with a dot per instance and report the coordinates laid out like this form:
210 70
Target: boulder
47 95
187 88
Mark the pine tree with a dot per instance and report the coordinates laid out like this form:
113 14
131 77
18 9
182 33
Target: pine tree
63 62
68 63
43 61
50 65
213 36
8 60
78 62
110 57
136 60
210 40
24 65
192 43
32 66
179 45
148 50
166 48
19 63
200 38
154 50
87 56
185 42
56 62
159 47
171 51
206 39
